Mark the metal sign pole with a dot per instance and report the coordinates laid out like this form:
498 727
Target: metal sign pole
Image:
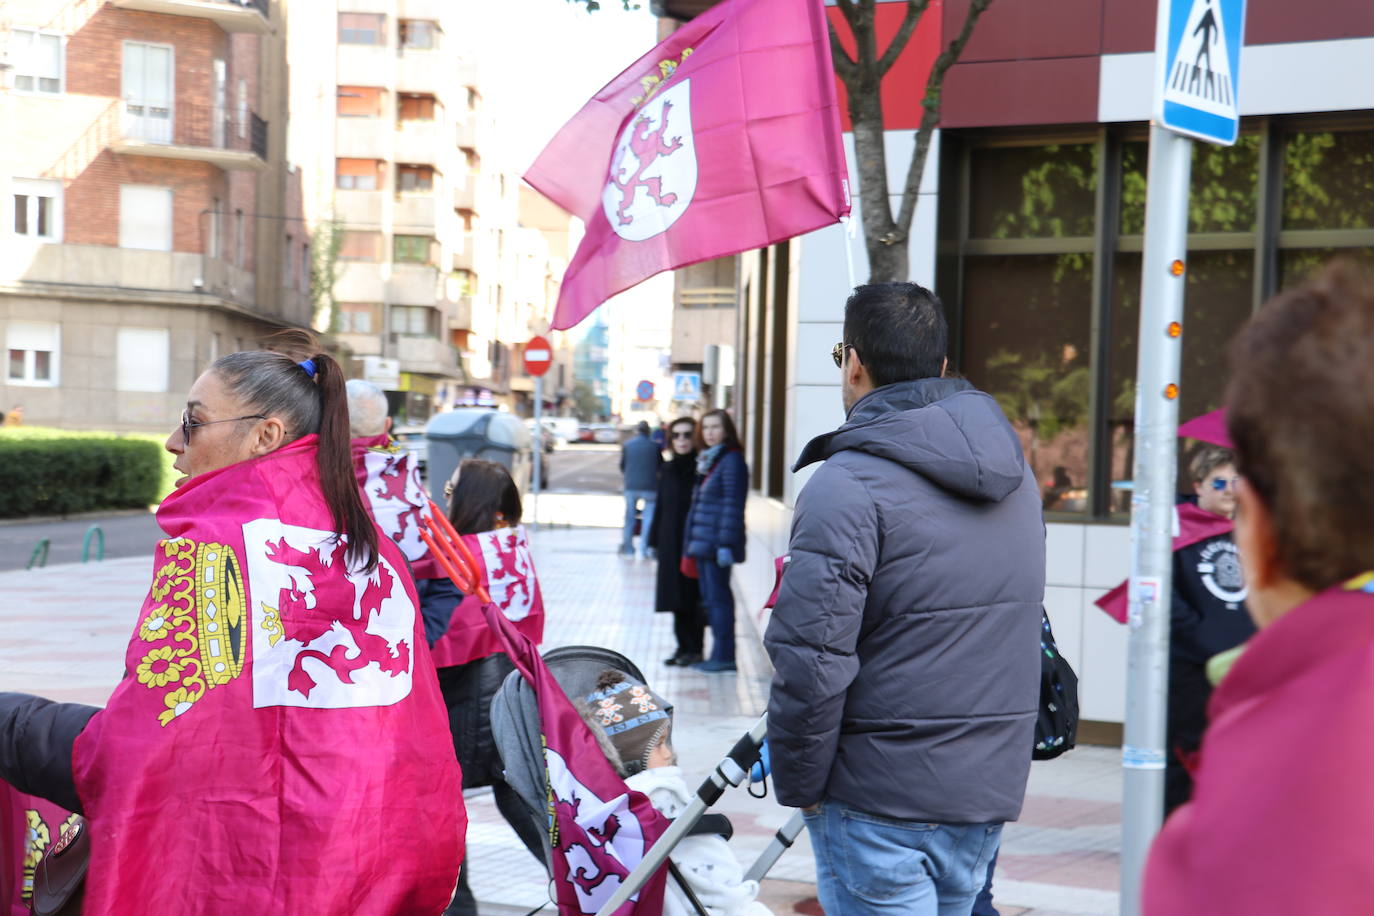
538 448
1152 506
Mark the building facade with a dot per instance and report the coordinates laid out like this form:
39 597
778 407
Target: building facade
151 222
1030 229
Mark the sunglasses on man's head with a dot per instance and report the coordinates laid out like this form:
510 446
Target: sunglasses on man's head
1222 483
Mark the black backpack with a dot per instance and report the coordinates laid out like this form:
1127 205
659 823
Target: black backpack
1056 723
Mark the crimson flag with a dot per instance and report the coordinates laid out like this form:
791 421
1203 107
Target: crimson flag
724 138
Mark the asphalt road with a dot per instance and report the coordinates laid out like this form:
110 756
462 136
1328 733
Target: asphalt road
574 469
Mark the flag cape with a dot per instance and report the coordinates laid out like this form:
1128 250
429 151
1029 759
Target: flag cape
1194 525
1282 801
723 138
29 826
599 828
506 567
278 744
395 495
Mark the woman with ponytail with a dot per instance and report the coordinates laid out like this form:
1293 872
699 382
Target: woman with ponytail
279 737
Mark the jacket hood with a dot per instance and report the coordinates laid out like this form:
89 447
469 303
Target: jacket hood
943 429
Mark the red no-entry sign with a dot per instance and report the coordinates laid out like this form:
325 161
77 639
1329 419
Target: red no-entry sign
538 356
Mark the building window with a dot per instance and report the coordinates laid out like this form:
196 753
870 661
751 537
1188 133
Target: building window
242 118
362 29
359 174
359 102
239 242
213 247
465 217
412 320
360 246
307 269
414 178
416 108
412 249
142 359
145 217
31 349
147 84
474 99
38 208
419 34
474 161
467 282
288 279
358 317
37 60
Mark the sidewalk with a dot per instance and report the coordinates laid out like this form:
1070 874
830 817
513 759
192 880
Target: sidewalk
63 632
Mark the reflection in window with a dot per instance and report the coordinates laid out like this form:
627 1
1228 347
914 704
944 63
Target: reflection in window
1328 181
1224 186
1299 264
1024 192
1030 350
1218 301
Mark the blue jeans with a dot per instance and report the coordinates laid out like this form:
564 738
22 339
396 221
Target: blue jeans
720 608
867 864
632 498
983 905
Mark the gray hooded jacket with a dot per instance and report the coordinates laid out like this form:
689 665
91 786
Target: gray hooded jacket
905 638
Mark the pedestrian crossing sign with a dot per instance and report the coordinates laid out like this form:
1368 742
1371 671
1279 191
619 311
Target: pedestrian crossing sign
686 386
1197 71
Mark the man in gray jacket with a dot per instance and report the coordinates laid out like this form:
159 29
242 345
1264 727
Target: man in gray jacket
906 632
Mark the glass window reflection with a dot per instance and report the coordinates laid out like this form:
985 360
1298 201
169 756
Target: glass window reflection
1023 192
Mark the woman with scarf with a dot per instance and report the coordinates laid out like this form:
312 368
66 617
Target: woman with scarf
714 531
1282 799
278 739
676 593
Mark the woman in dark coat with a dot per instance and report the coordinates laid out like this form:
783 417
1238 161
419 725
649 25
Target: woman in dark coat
678 594
715 531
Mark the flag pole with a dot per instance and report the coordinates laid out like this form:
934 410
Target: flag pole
848 226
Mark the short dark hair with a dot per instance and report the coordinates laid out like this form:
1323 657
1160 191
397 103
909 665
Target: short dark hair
1207 459
899 330
483 489
1300 410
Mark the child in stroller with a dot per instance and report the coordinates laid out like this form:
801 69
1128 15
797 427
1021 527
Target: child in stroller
633 727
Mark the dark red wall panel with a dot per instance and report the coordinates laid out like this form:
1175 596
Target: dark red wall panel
1006 93
1128 26
1275 21
1028 29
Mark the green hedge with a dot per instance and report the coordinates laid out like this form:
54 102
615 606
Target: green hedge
58 472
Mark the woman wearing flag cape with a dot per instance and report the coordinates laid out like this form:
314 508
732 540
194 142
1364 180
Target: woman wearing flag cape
278 742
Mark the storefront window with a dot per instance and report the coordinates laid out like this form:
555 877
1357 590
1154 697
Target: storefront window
1328 180
1223 188
1023 192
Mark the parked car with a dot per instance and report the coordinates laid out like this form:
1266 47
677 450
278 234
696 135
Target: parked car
605 433
412 439
586 434
564 428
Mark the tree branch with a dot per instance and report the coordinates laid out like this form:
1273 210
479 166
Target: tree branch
848 10
914 11
845 67
931 115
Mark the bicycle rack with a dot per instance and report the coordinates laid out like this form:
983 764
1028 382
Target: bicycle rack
100 544
40 554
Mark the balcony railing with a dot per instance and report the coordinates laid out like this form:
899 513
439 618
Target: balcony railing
191 131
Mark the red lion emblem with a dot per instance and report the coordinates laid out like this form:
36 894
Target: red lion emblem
647 147
334 596
394 477
511 568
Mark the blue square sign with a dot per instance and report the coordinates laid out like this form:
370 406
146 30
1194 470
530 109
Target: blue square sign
1197 68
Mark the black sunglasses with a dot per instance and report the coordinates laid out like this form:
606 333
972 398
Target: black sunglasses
837 353
686 435
187 424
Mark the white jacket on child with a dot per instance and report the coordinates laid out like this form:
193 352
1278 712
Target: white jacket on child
707 862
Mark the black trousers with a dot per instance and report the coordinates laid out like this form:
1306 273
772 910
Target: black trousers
689 626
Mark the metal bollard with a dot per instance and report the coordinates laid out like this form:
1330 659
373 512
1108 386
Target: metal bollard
100 544
40 554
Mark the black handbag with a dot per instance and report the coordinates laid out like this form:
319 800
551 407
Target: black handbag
59 880
1056 723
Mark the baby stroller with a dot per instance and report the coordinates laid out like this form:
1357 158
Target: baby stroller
516 728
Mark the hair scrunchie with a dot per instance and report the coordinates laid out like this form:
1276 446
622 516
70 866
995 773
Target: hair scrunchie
308 367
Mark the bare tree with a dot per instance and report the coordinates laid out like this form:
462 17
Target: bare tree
886 234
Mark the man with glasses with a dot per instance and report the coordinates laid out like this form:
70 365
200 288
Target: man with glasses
906 634
1208 613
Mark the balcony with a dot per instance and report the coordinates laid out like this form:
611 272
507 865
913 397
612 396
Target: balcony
416 213
468 134
413 284
359 209
418 142
364 65
463 258
460 314
465 193
431 10
419 70
428 355
359 281
231 15
220 136
362 138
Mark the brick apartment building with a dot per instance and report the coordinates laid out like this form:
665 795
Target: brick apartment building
150 220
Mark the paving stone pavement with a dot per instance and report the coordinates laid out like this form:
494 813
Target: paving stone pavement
63 630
